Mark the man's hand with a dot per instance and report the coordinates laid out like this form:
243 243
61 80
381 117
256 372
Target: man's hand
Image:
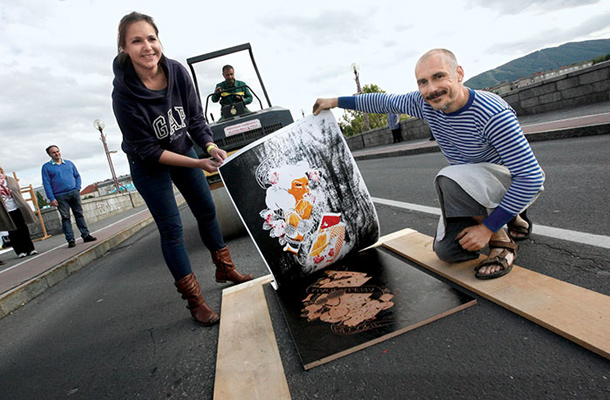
324 104
218 89
474 237
53 203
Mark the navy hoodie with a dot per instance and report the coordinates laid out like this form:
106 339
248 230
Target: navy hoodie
153 121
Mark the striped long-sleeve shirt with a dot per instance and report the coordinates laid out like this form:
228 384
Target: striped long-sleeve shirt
485 130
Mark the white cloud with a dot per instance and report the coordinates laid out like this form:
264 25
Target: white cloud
536 6
56 74
592 28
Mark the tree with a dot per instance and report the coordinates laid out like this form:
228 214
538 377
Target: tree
352 121
602 58
42 201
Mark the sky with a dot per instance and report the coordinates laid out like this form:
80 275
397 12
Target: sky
56 65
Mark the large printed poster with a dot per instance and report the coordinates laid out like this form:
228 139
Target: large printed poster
305 205
301 197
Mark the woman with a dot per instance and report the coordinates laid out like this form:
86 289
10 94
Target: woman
155 105
15 215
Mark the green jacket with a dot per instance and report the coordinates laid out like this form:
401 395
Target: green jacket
227 93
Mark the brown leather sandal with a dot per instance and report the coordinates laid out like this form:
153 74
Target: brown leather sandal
512 227
500 259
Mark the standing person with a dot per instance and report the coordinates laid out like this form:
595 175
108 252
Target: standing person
15 215
62 184
394 127
493 175
160 116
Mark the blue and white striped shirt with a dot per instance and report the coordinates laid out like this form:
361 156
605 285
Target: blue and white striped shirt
485 130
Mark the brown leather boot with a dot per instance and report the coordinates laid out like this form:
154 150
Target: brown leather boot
225 269
191 292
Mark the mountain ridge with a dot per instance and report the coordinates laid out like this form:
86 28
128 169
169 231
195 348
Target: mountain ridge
548 59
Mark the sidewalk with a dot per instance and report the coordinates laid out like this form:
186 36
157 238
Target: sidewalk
21 280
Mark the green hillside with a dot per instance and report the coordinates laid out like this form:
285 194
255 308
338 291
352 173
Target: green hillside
541 60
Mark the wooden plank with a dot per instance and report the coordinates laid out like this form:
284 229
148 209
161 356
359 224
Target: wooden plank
248 364
392 236
263 280
576 313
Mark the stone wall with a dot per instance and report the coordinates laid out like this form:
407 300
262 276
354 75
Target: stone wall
95 209
410 129
99 208
579 88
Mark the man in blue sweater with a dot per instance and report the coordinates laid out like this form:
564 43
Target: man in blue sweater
62 184
493 175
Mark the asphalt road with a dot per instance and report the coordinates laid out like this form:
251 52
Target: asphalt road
118 329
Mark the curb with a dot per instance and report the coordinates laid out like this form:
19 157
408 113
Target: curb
567 133
398 153
27 291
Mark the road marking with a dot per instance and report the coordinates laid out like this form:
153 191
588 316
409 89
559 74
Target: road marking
556 233
408 206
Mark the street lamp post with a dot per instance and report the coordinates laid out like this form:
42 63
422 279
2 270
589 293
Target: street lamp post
356 69
99 125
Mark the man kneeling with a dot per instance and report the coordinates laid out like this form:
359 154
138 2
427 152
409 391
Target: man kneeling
493 175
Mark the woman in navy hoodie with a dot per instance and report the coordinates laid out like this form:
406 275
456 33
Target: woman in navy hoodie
160 116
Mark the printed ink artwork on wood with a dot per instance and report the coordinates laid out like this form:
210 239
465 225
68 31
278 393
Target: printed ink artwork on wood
305 205
368 297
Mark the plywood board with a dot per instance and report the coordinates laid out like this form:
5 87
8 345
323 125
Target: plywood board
360 301
248 364
576 313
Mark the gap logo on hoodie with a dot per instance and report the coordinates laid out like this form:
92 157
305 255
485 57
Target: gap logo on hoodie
160 124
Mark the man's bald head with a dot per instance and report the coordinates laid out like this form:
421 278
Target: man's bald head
448 56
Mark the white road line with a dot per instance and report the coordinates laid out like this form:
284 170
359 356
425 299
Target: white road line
22 262
408 206
557 233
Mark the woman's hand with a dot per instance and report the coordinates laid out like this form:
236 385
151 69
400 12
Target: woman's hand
179 160
218 153
209 165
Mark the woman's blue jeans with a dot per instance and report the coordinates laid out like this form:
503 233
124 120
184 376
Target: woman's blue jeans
154 183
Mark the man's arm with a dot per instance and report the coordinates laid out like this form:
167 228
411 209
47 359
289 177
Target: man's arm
216 95
48 189
373 103
506 136
76 176
247 95
46 183
504 133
